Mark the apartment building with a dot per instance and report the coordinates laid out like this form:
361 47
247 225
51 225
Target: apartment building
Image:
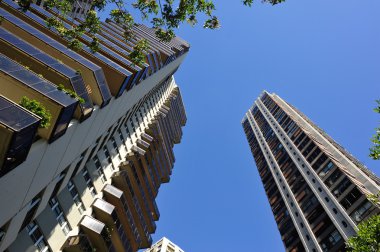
317 190
87 181
79 9
164 245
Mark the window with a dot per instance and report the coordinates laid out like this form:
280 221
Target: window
60 217
326 170
313 155
341 187
359 213
319 161
107 154
37 237
89 183
115 146
308 149
304 143
309 203
74 193
331 240
33 206
333 177
351 198
99 169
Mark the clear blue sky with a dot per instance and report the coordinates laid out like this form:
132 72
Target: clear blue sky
321 56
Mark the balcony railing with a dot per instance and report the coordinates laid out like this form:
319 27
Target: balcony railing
92 74
117 76
16 82
52 69
17 131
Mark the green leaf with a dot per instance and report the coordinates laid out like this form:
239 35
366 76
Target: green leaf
38 109
367 238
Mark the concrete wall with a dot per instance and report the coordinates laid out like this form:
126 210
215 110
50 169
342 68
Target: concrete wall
46 161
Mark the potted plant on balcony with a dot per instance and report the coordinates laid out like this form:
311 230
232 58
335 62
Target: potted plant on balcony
38 109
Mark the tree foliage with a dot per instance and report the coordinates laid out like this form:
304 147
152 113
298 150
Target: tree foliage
367 238
375 149
272 2
38 109
138 54
164 15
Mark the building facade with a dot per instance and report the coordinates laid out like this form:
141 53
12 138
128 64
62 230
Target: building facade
164 245
79 9
87 181
316 189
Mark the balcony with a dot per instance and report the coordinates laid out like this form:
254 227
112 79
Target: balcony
18 128
141 191
118 78
52 70
16 82
107 48
97 232
116 197
147 137
92 74
143 31
119 40
138 150
159 52
122 182
142 144
77 243
106 213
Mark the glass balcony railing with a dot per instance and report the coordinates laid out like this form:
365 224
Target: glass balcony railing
92 74
17 131
104 50
18 82
109 35
117 76
154 51
49 67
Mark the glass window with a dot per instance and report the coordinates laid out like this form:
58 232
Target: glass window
351 198
37 237
326 170
341 187
359 213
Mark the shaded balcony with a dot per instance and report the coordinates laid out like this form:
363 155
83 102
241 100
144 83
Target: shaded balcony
116 38
17 82
92 74
77 243
51 69
117 77
107 48
116 197
142 192
106 213
18 128
122 181
98 233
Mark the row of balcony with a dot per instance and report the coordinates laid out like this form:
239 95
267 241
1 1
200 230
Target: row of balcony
36 63
124 218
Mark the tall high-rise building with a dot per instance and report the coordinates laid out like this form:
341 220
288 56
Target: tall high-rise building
164 245
316 189
86 179
79 7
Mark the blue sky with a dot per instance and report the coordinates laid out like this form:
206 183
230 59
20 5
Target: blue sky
321 56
